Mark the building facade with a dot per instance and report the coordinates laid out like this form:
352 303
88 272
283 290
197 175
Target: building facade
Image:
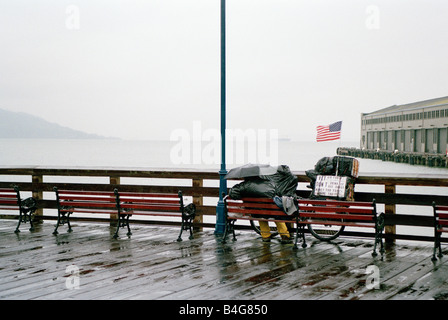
415 127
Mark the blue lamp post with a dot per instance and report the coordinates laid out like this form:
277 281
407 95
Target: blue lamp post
220 214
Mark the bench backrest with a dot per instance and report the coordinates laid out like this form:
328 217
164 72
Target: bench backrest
252 206
9 198
441 217
86 201
141 203
332 209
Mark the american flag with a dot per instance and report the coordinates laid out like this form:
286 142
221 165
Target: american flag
329 132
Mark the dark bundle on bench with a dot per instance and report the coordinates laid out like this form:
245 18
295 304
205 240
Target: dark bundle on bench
342 213
10 200
440 226
258 209
154 204
76 201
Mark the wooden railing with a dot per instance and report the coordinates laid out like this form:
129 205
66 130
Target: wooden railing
202 187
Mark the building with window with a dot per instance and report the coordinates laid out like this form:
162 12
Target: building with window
415 127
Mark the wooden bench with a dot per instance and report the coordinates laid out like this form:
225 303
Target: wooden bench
154 204
440 226
124 205
86 202
10 200
255 209
342 213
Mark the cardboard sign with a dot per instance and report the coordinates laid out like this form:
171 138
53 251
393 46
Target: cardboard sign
330 186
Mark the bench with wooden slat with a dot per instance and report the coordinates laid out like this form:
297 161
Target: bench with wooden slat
255 209
78 201
124 205
154 204
342 213
440 226
10 200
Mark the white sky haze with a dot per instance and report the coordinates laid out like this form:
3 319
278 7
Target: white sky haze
141 69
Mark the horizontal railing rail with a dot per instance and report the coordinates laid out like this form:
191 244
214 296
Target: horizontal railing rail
202 186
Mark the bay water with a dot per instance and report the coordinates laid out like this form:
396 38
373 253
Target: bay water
298 155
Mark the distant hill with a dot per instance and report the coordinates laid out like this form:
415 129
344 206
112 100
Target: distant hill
23 125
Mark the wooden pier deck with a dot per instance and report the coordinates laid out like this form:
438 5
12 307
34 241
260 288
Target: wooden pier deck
152 265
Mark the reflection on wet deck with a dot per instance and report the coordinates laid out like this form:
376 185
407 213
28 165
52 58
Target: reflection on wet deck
89 264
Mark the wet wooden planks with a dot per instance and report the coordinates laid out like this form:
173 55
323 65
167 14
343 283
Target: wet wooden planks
153 265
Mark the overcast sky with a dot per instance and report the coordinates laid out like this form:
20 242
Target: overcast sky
141 69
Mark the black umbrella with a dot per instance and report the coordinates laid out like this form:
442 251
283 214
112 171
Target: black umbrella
251 170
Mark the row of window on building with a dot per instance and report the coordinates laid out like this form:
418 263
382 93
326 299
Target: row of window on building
432 140
434 114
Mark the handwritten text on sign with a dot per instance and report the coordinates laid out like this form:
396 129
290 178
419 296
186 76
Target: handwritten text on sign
330 186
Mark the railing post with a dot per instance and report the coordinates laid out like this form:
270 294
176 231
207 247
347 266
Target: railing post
198 202
114 181
37 192
390 209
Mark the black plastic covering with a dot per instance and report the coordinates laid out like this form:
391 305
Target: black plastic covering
282 183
